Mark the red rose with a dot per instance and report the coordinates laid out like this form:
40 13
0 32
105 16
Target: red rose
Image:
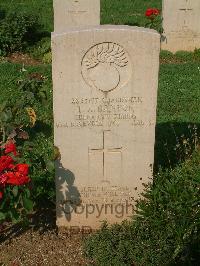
22 168
11 147
6 162
23 179
12 179
1 195
152 13
17 179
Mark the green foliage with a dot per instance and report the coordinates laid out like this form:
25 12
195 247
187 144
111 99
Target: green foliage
166 228
41 9
15 204
184 55
18 113
16 30
27 117
47 58
39 154
41 49
164 54
12 117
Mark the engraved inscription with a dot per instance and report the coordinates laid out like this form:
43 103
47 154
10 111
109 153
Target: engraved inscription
104 112
107 194
106 66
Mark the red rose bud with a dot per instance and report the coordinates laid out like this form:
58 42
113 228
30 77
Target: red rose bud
152 12
1 195
10 147
22 168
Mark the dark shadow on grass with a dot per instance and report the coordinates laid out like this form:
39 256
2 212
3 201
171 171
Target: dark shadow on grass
174 143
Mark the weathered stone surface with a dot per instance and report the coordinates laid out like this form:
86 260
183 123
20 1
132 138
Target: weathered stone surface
71 13
181 23
105 92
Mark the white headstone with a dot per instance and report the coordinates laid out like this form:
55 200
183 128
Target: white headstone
181 24
71 13
105 93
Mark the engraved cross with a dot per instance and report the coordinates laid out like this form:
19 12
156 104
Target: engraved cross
105 151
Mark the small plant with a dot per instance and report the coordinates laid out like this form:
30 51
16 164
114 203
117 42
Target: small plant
41 49
16 31
47 58
154 18
15 194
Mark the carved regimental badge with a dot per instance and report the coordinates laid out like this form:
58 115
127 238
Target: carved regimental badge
106 66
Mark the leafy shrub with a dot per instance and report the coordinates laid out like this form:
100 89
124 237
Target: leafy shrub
42 48
166 54
166 229
16 30
47 58
184 55
19 121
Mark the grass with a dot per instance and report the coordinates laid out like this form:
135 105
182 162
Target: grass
112 11
179 94
129 12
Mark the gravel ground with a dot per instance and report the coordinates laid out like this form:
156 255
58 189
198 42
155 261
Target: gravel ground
40 245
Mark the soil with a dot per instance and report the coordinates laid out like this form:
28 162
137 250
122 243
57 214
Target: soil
172 60
26 59
41 244
20 58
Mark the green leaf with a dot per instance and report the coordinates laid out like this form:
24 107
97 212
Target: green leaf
2 216
14 215
50 166
15 191
6 115
27 193
28 204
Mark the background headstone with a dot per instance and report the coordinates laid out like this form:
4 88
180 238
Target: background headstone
181 24
72 13
105 93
